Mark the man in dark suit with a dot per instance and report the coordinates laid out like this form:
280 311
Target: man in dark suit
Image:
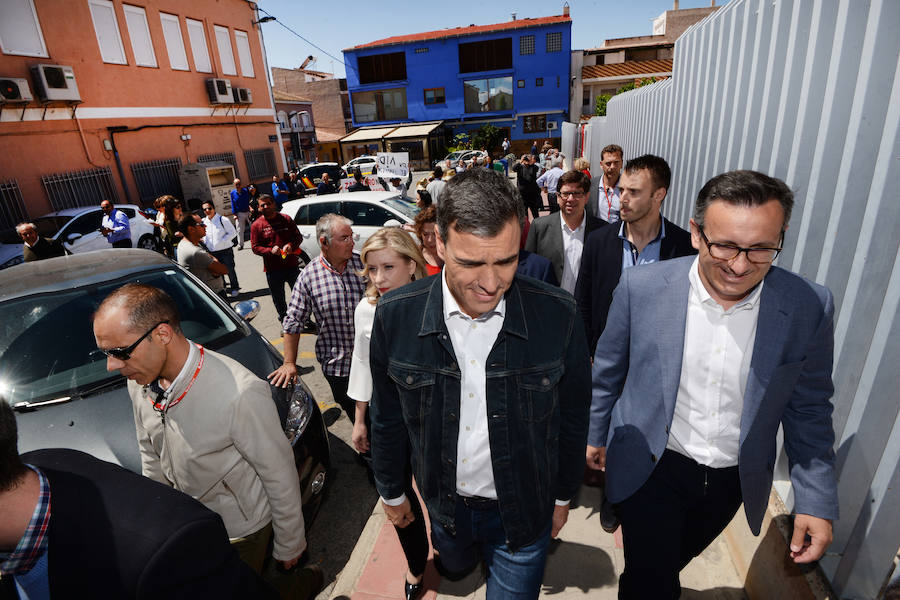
606 192
643 237
560 236
36 247
701 361
111 533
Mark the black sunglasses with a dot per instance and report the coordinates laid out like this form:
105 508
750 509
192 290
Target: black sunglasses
124 354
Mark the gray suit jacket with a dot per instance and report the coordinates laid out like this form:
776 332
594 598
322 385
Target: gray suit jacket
545 238
637 369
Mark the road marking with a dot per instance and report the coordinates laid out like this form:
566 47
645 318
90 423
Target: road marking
280 340
307 355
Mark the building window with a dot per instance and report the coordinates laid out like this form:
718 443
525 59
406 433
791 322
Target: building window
434 96
197 37
520 83
534 123
174 42
554 41
283 120
107 29
20 31
379 105
526 44
488 95
139 32
488 55
223 42
538 82
382 67
586 98
421 50
243 49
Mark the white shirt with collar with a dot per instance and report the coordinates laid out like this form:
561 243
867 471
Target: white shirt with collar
219 233
609 201
472 342
573 245
718 347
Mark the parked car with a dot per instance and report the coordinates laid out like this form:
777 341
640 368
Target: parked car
79 230
311 175
52 375
366 164
453 157
369 211
10 248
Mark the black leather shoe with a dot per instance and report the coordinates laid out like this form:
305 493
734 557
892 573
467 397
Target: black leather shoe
412 590
609 521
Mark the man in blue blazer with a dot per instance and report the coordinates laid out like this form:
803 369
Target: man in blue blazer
701 360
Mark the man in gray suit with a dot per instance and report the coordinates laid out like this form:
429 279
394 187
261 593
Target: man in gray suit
700 361
560 236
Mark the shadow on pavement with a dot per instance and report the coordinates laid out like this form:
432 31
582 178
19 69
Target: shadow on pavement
574 565
719 593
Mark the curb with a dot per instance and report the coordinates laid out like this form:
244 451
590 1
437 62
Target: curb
350 574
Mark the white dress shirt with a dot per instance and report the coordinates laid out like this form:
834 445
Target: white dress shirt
219 233
573 245
718 347
609 201
359 386
472 341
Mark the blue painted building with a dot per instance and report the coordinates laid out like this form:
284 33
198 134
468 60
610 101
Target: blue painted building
513 75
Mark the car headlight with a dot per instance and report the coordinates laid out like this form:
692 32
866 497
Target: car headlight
300 412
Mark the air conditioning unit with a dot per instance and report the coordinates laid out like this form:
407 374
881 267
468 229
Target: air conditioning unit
55 83
14 90
552 125
219 91
242 95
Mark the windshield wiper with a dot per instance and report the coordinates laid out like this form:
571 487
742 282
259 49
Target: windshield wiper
98 387
25 406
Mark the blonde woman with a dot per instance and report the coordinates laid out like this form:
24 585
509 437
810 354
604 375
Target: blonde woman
390 260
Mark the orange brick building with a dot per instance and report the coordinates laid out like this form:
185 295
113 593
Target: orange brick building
106 99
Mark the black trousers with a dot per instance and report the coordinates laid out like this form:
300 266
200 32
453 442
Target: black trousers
277 280
671 519
551 200
413 537
338 387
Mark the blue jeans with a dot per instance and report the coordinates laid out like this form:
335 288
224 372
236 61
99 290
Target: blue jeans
480 537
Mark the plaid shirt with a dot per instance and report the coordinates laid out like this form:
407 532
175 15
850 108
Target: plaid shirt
332 297
34 542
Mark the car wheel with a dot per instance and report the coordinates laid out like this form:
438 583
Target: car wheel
303 259
147 242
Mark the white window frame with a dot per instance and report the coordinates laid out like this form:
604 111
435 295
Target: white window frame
226 54
138 29
199 47
245 55
112 45
42 52
170 41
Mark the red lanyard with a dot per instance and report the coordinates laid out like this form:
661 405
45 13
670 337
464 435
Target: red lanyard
164 406
608 202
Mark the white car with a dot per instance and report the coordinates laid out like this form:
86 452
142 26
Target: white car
79 231
366 164
369 211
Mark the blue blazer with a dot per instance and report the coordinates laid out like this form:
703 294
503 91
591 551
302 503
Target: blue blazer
637 368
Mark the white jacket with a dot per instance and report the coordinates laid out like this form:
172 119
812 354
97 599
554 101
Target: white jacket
223 444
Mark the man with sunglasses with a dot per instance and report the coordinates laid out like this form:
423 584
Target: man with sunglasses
195 259
700 361
205 424
219 239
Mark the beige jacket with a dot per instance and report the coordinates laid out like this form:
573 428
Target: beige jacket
223 445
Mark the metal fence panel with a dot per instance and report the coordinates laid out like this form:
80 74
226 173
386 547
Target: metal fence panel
260 163
155 178
221 157
808 91
12 205
74 189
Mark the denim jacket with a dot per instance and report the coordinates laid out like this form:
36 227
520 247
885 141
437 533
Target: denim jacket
538 401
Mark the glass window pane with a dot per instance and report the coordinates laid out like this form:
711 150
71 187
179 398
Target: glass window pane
139 32
243 49
20 31
223 42
174 42
197 37
364 106
475 92
107 29
501 93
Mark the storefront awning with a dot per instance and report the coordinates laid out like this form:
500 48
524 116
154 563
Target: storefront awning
367 135
413 130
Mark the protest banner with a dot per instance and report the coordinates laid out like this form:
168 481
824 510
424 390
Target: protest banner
393 164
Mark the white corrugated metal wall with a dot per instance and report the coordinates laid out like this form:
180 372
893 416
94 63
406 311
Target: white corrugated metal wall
807 91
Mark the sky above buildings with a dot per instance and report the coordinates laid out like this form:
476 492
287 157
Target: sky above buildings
333 26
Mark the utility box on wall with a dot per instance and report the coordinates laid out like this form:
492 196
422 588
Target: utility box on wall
208 181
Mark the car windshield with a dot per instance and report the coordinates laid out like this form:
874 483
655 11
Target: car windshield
49 226
455 155
403 206
47 343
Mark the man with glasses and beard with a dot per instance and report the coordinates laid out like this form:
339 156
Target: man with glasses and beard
701 360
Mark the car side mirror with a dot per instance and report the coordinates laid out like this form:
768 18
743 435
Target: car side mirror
247 309
72 237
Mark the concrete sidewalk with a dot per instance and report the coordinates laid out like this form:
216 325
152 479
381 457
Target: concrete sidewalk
585 563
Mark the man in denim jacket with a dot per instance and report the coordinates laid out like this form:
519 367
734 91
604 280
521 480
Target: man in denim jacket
481 382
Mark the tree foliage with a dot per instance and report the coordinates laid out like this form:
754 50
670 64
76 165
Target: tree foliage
487 137
603 99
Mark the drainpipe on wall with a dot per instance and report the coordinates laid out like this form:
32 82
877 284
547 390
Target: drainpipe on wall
112 140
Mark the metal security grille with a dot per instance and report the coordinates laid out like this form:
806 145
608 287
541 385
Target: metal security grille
155 178
554 42
12 207
221 157
80 188
260 163
526 44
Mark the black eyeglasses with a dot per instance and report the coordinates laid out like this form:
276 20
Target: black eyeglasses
729 252
124 354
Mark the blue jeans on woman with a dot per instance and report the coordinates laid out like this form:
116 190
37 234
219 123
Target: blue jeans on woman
480 537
